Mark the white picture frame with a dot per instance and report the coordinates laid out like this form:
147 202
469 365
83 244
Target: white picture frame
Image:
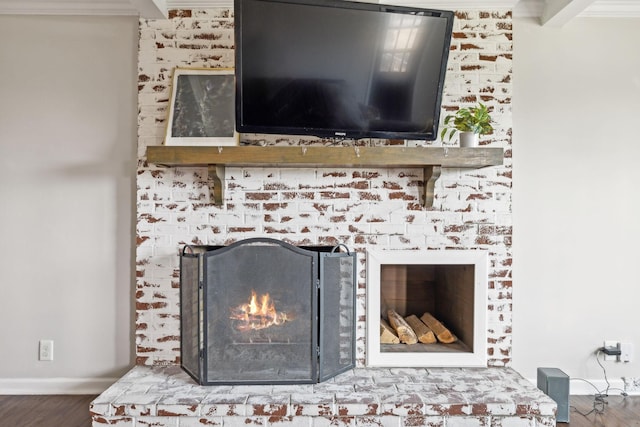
202 107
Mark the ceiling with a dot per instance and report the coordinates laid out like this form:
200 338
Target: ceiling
553 13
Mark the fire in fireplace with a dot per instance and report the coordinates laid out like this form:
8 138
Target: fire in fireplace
262 311
258 313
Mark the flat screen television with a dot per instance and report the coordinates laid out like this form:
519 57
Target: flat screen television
334 68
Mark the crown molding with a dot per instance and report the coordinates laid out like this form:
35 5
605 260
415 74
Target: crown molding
159 8
521 8
144 8
613 9
21 7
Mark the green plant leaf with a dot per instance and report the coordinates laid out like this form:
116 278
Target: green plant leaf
474 119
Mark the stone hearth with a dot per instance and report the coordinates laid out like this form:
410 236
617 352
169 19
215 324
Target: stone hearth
435 397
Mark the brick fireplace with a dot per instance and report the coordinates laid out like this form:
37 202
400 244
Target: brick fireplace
363 208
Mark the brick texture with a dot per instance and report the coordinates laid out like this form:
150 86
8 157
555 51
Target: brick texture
445 397
361 208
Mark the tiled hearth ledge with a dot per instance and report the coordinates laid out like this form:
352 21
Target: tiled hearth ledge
434 397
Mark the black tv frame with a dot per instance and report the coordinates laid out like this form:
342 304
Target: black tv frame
426 134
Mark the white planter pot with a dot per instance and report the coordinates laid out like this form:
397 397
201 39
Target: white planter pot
468 139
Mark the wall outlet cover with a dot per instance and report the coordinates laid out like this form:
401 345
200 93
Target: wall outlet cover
626 352
46 350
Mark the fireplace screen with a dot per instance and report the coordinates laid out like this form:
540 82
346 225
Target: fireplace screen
261 311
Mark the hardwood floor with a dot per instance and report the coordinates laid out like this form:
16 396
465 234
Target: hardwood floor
73 411
614 411
45 411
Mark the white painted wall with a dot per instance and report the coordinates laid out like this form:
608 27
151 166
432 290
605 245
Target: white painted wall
67 170
576 149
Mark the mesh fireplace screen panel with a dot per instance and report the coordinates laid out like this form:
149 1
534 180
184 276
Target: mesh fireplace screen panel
337 313
260 301
190 314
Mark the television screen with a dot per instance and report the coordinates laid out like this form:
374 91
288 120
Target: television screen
333 68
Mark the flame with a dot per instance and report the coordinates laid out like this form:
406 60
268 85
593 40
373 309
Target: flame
258 315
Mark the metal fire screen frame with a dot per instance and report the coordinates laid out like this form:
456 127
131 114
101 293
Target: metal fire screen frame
333 283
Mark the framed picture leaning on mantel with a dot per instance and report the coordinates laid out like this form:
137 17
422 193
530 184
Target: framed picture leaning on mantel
202 107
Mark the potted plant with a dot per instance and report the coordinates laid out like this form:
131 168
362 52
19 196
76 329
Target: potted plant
470 122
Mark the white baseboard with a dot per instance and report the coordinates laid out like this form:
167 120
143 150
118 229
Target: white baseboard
580 387
615 387
55 385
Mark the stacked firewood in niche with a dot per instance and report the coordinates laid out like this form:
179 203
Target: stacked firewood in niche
411 330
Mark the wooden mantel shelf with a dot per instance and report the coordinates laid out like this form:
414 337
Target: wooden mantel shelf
430 159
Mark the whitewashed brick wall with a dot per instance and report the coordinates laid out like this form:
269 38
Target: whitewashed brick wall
358 207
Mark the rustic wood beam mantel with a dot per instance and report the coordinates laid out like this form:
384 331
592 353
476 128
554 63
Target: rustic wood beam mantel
430 159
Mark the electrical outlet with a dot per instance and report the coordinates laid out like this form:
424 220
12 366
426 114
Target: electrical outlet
626 352
46 350
610 344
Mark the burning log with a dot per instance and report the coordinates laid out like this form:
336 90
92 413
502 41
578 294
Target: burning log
442 333
424 334
387 335
404 331
258 313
